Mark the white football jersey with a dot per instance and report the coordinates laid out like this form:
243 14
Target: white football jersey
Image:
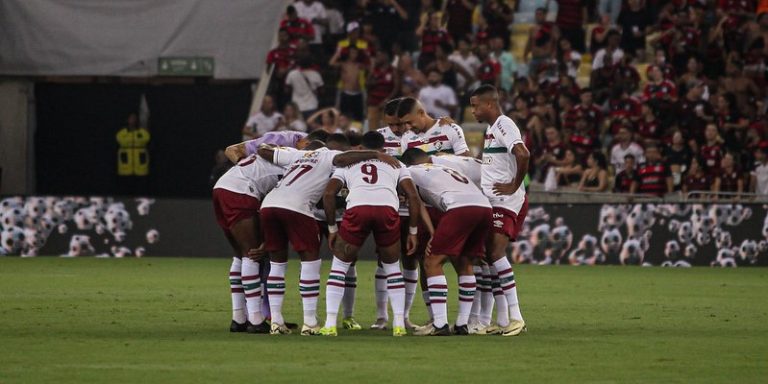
392 142
252 176
499 164
439 138
446 188
372 182
304 181
469 166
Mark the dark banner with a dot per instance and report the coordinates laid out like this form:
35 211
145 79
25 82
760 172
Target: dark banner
678 235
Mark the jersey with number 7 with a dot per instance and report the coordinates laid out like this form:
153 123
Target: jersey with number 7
305 178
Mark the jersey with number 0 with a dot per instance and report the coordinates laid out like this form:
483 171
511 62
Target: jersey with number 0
252 176
304 180
438 138
446 188
499 164
372 182
469 166
392 142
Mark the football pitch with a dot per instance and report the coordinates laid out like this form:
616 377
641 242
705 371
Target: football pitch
165 320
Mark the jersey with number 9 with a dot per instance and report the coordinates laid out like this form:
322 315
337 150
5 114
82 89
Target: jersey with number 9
372 183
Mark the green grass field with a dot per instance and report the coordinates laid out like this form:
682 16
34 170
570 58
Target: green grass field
166 321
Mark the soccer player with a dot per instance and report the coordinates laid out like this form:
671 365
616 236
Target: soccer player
505 162
459 237
426 133
469 166
372 206
286 216
237 197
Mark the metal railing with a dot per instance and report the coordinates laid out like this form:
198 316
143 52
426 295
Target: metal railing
579 197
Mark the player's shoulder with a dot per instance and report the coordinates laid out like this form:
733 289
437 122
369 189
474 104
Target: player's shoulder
504 122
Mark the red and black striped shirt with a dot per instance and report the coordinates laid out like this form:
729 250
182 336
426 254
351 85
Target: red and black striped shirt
624 180
729 181
712 154
382 85
432 38
653 178
698 183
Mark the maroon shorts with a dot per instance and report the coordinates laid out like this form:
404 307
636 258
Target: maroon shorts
281 226
322 228
231 207
462 232
359 222
423 237
508 223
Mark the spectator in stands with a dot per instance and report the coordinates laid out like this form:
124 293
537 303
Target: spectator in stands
661 94
692 74
712 150
543 109
314 12
599 36
569 174
432 35
569 57
678 155
467 60
627 75
387 18
655 177
571 17
589 110
335 20
303 83
693 112
525 119
740 86
498 16
595 176
450 72
542 39
382 84
729 119
583 140
759 176
409 74
282 56
459 14
648 127
353 39
611 49
267 119
439 99
297 27
489 71
696 179
326 119
551 154
506 61
627 180
729 178
635 22
623 109
625 146
292 119
351 94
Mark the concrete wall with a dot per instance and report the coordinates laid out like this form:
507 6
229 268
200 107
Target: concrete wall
15 144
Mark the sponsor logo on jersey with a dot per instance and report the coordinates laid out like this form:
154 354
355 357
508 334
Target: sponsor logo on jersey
498 223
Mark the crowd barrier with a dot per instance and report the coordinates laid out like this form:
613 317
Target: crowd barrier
658 234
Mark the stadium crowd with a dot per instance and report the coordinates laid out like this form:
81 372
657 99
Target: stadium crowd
633 96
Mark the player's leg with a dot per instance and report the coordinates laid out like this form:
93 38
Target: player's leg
276 243
473 251
239 313
438 294
411 279
247 234
474 313
344 255
348 300
304 236
382 314
497 254
386 233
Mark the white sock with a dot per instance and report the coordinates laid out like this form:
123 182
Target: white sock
350 289
381 295
276 290
502 308
411 278
474 312
334 291
508 285
396 292
264 273
425 296
236 290
252 287
309 286
438 298
467 287
486 297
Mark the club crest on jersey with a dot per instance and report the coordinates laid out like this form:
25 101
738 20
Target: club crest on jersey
310 154
439 145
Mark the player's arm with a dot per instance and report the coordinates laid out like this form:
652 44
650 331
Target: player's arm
329 206
458 142
522 156
353 157
236 152
267 152
414 211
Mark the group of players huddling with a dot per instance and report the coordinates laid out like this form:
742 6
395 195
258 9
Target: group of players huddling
414 185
